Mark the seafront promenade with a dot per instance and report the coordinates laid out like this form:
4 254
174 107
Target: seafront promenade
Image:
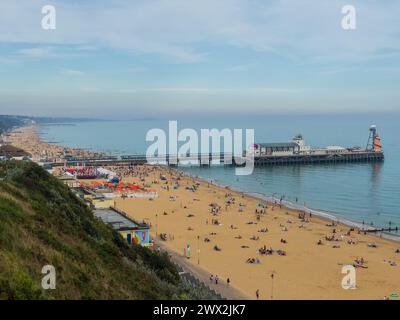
222 288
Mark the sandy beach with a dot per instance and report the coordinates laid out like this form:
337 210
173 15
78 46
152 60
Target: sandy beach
28 139
248 240
308 270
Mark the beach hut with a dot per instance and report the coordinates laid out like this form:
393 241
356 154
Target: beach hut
131 230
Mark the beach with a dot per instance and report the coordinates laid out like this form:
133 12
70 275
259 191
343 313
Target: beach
307 271
282 253
28 139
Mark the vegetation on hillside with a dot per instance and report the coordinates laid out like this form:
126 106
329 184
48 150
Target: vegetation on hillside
8 122
43 223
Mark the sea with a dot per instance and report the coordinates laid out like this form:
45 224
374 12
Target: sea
367 193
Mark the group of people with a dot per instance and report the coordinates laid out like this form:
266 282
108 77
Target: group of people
29 140
270 251
214 208
253 261
133 171
166 237
215 279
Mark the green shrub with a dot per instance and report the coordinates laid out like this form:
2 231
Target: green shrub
43 222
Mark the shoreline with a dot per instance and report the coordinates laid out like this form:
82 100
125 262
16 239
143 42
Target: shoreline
30 139
323 215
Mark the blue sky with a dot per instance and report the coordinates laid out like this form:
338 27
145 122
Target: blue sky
146 58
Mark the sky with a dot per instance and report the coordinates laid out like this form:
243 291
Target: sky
150 58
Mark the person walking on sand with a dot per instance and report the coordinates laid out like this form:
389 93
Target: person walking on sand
211 278
228 281
216 279
257 294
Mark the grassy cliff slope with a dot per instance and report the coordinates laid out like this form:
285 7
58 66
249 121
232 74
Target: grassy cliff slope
42 222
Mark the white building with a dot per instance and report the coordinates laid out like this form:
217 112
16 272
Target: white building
296 147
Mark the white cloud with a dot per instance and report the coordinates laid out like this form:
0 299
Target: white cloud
71 72
298 29
237 68
39 52
86 48
205 90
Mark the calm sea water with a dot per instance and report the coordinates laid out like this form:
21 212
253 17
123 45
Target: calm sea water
359 192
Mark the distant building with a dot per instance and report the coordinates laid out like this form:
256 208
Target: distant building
295 147
130 230
70 181
10 152
269 149
102 202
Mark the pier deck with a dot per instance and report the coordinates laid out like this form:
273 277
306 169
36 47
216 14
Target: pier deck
229 159
365 156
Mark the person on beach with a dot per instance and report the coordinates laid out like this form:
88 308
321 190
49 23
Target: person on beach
216 279
257 294
228 281
211 278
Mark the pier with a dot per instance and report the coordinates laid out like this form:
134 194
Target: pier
295 152
348 157
225 159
